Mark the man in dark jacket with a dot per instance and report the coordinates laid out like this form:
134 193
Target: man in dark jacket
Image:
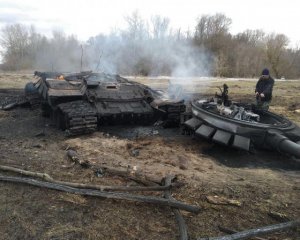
263 90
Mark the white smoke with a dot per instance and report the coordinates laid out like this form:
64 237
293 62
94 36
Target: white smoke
139 49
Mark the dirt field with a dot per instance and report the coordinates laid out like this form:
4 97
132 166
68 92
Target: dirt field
235 189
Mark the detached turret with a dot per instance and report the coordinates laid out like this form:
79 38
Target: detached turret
242 126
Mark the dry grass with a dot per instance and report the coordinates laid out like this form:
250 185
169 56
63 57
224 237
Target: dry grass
14 80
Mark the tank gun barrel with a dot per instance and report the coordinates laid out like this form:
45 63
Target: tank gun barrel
283 144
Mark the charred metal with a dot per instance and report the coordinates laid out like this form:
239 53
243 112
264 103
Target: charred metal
80 103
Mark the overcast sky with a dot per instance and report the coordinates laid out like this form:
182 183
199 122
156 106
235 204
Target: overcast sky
86 18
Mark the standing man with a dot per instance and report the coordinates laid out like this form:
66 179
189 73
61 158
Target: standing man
263 90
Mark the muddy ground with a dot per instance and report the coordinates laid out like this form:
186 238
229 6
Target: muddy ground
249 185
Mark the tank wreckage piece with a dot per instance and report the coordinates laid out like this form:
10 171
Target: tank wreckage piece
241 125
80 103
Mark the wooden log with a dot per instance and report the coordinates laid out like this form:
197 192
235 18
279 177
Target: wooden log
48 178
183 232
256 231
229 231
109 195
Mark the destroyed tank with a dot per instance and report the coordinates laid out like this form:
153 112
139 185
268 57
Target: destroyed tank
241 125
80 103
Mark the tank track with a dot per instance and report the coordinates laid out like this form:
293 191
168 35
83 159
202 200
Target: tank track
78 117
34 100
10 102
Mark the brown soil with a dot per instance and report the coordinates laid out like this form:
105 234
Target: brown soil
237 190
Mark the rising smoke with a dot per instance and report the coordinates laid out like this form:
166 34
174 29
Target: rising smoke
150 57
148 48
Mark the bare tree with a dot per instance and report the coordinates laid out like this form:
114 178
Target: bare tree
275 48
137 28
212 27
14 39
212 33
249 53
151 46
160 26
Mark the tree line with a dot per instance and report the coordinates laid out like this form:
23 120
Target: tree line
152 47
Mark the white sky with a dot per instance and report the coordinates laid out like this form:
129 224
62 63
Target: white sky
86 18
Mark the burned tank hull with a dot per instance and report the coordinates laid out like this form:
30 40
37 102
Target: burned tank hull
271 131
81 103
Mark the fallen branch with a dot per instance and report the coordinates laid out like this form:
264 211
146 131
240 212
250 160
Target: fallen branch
44 176
48 178
109 195
256 231
278 216
145 180
183 232
229 231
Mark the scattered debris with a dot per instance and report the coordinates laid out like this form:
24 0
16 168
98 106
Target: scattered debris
219 200
73 155
278 216
40 134
294 107
155 132
297 111
158 123
183 162
99 172
37 145
135 152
